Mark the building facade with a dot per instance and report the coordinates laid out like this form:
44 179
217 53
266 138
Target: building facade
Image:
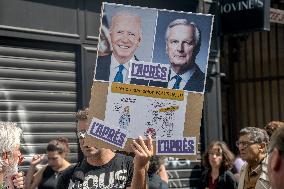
47 57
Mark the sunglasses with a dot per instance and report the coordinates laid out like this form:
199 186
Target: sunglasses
81 134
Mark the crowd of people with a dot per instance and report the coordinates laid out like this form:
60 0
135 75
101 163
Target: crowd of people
261 154
261 157
259 164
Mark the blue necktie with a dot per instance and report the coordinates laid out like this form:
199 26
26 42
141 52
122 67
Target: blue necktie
119 77
177 83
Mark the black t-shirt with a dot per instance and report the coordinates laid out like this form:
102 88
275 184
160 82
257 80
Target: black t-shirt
117 173
49 178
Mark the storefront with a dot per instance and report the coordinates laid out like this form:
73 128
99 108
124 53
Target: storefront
252 91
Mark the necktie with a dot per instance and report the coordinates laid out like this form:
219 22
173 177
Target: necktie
119 77
177 83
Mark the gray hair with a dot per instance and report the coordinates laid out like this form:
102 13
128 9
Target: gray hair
255 134
277 141
196 33
127 13
10 137
184 22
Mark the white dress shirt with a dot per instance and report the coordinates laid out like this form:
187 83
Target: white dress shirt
114 67
184 78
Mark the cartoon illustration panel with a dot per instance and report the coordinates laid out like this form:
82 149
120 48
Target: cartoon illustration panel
147 114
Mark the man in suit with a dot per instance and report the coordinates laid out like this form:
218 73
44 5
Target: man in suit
125 37
182 46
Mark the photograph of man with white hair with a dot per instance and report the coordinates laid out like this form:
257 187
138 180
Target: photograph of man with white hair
182 46
125 35
181 43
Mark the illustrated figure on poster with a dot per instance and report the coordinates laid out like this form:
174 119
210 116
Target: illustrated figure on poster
125 37
124 119
167 126
183 40
150 131
161 123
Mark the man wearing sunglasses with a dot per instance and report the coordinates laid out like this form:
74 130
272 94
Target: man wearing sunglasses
10 157
252 146
102 168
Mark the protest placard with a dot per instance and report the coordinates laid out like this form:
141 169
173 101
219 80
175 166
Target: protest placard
150 78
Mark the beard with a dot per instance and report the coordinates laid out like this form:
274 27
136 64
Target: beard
9 172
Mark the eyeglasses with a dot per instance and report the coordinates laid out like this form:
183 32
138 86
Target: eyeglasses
244 143
81 134
215 153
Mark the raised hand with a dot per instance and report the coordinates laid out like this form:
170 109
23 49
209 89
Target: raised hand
37 159
143 152
19 180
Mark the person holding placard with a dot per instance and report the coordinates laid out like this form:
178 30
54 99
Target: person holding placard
103 168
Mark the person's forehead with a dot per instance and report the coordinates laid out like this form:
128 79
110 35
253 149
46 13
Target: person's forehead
181 31
126 20
82 125
182 27
244 137
216 148
52 153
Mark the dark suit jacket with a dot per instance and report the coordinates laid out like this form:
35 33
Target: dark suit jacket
195 82
103 71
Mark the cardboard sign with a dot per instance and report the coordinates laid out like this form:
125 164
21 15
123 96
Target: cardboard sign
142 110
149 79
149 71
180 146
103 131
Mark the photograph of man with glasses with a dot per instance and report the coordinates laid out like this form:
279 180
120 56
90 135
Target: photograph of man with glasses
252 145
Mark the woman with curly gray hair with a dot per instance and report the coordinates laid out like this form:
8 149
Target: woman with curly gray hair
10 136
